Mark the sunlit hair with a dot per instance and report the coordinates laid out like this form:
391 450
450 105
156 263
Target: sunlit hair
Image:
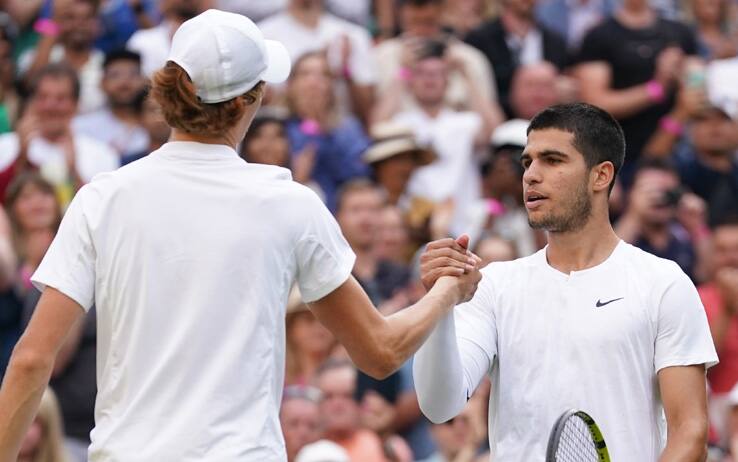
173 89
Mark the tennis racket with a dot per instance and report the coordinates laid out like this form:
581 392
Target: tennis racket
575 437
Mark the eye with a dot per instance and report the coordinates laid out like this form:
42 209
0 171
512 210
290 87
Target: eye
553 160
525 163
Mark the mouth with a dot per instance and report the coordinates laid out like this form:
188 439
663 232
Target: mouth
534 199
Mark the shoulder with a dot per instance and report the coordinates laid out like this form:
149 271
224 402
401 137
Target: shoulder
652 271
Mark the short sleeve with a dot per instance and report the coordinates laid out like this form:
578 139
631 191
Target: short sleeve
69 264
683 335
475 319
324 258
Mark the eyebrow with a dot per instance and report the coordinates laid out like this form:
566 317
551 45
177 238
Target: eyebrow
543 154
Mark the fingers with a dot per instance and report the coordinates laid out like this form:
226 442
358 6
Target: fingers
463 241
448 257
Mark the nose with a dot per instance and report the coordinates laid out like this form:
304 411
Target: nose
532 174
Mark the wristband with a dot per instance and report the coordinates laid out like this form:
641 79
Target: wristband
346 72
671 126
404 74
656 92
310 127
46 27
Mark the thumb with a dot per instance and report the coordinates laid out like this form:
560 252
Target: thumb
463 241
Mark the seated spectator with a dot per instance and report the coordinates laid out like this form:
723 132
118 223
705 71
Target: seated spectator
720 297
630 66
393 241
299 416
306 27
340 413
309 343
266 143
358 214
393 157
43 441
118 124
153 44
514 39
70 39
421 25
572 20
650 219
157 129
314 125
711 19
451 182
9 99
44 138
534 87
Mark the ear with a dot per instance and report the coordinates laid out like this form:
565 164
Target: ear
602 175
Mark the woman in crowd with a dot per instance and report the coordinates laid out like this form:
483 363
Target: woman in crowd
711 20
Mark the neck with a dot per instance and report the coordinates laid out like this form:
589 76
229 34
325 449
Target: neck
432 109
720 161
584 248
308 16
77 56
366 263
516 24
636 15
227 139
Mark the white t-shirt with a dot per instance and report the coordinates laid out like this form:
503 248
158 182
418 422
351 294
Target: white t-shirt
102 125
592 340
455 174
189 255
299 40
92 157
153 45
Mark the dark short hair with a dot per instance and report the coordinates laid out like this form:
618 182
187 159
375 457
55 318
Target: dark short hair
352 186
597 135
57 71
121 55
256 125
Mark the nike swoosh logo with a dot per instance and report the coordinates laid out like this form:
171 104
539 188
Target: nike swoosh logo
599 303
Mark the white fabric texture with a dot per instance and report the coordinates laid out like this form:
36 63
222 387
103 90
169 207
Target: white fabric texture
189 255
548 347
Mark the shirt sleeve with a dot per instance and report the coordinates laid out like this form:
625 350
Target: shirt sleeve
683 335
457 355
69 264
595 46
324 258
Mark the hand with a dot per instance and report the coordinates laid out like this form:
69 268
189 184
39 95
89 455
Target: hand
690 102
727 282
668 66
411 48
303 163
446 257
455 61
67 143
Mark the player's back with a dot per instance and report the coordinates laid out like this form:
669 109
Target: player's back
195 256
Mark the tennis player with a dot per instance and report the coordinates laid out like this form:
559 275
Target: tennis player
590 322
189 256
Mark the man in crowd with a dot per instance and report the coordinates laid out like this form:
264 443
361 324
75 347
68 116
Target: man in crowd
300 418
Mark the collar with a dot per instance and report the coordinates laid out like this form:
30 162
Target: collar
191 150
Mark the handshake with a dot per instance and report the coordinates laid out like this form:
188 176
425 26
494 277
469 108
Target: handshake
449 264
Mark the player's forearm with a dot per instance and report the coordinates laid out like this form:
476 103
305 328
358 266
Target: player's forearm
20 395
438 374
686 443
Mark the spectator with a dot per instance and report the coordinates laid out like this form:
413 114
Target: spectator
393 242
309 343
118 124
393 157
534 87
340 413
460 439
43 441
152 120
720 297
630 65
153 44
315 126
70 38
9 99
421 26
650 220
119 20
300 418
44 138
514 39
452 181
266 143
572 20
711 19
358 214
306 27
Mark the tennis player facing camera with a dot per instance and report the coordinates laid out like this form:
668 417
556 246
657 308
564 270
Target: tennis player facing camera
589 322
189 256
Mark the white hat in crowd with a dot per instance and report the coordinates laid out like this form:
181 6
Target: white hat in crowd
511 133
322 451
226 55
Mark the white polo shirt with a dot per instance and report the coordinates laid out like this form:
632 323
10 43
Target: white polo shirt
592 340
189 255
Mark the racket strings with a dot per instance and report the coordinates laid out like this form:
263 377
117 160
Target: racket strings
575 444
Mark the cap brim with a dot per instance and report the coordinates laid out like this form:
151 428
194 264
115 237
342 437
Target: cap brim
278 62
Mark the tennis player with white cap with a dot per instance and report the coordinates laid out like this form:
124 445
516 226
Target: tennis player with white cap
189 255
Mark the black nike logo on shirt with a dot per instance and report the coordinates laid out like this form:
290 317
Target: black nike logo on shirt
599 303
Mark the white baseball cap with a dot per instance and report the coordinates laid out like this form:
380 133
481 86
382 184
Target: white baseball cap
226 55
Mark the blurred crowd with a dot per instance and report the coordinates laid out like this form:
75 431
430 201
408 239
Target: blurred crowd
408 118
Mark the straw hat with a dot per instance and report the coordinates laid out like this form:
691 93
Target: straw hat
392 139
